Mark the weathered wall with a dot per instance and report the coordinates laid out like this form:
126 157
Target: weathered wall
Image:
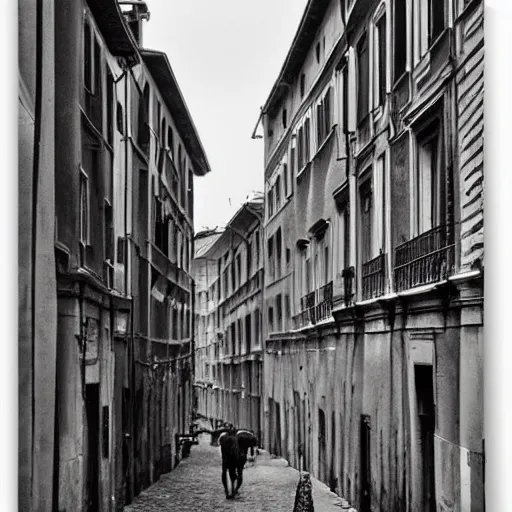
37 304
470 129
333 374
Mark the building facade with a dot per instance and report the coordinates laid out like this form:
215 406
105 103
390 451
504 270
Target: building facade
228 269
106 378
373 236
37 306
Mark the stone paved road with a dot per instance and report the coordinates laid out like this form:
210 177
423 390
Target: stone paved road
195 486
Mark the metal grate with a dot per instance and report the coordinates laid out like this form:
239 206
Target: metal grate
373 277
428 258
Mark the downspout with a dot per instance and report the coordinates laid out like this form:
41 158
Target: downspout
131 352
192 355
126 252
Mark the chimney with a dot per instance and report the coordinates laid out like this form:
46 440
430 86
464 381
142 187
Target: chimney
134 12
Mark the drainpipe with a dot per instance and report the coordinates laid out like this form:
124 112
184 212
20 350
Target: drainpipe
193 353
131 352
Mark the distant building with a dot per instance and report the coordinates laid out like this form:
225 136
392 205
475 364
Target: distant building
373 299
228 269
108 156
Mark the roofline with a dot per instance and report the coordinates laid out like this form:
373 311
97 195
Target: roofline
112 25
194 146
289 62
246 206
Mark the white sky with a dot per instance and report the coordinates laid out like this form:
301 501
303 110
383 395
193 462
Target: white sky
226 55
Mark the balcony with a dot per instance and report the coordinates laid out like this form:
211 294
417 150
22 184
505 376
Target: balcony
315 306
426 259
324 302
373 277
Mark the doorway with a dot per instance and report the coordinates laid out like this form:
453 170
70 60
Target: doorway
92 397
425 435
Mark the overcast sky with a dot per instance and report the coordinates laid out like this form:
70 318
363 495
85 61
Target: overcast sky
226 55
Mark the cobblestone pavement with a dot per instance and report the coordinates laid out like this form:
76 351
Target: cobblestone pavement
195 486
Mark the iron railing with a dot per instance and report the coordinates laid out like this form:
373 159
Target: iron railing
426 259
373 275
315 306
324 302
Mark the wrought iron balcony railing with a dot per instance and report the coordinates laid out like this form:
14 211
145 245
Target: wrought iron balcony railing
315 306
324 302
373 277
426 259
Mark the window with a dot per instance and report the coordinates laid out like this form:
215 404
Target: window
233 338
300 149
345 102
108 218
270 247
303 142
326 265
308 275
428 182
292 165
238 270
257 240
432 22
302 85
378 229
362 78
190 194
257 327
248 333
437 20
279 244
162 132
285 179
97 67
365 196
287 312
288 259
343 238
279 308
284 117
271 318
158 116
306 140
88 69
110 107
170 141
380 62
318 52
84 208
249 260
323 117
400 37
119 118
270 203
240 336
278 192
233 276
143 129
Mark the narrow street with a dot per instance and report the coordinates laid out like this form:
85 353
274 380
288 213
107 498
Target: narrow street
195 486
